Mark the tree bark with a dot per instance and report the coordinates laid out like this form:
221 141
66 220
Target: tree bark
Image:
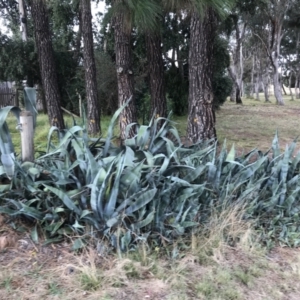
47 63
290 86
265 83
93 113
201 117
122 34
276 12
297 92
252 79
156 75
233 93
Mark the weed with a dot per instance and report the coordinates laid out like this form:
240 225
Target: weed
54 288
6 281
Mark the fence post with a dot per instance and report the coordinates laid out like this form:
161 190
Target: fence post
27 144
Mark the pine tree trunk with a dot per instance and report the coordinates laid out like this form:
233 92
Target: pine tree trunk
156 75
201 118
93 114
47 63
122 34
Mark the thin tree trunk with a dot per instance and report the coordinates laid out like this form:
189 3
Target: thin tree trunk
297 93
122 34
252 79
290 86
93 113
257 85
47 62
276 26
156 75
201 118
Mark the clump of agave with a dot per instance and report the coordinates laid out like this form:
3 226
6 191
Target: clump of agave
151 187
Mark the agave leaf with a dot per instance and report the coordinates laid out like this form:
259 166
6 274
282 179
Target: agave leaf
131 177
143 135
64 198
285 165
249 170
85 213
56 227
4 188
231 155
194 174
275 145
142 199
157 145
143 223
97 194
6 145
30 102
30 211
111 204
165 165
211 173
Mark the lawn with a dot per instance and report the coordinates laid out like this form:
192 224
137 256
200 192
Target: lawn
210 267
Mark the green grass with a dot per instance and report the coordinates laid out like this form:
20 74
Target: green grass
248 126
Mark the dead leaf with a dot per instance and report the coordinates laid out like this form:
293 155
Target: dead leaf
7 241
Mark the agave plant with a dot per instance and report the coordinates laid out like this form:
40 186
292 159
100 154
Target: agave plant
151 187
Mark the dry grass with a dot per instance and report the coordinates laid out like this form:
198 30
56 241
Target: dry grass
222 261
253 124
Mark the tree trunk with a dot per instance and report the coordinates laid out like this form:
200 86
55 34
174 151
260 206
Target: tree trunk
257 85
290 86
156 75
201 117
276 23
122 34
252 79
93 114
297 92
277 86
232 93
265 83
47 62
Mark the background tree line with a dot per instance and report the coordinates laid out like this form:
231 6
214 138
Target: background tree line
185 56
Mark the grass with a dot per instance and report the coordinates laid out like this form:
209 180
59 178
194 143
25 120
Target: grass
206 267
223 260
248 126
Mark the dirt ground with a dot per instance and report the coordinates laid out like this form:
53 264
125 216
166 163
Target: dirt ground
33 271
